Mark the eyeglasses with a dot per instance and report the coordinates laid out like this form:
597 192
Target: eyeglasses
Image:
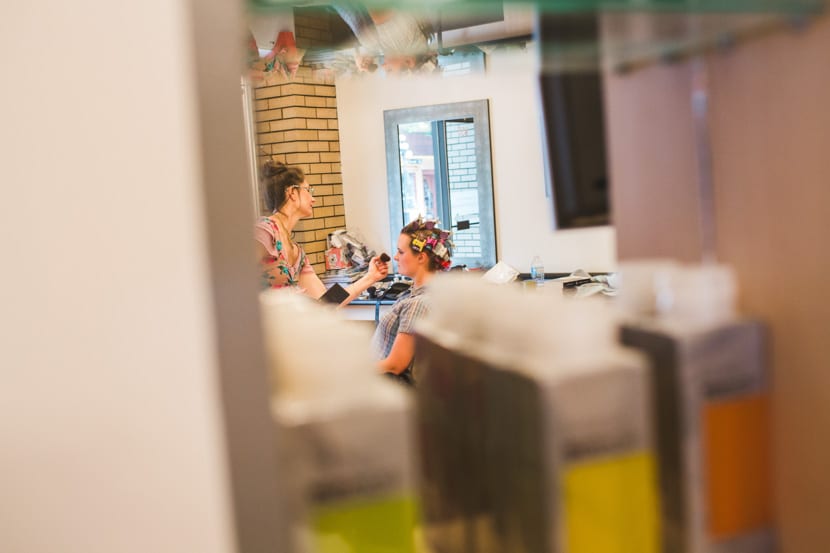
309 189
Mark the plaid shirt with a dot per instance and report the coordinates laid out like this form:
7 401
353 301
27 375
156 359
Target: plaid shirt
408 309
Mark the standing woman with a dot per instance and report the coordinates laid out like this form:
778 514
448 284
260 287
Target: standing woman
283 262
423 250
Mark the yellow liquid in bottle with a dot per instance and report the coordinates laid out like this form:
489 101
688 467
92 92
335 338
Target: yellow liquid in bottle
367 525
611 505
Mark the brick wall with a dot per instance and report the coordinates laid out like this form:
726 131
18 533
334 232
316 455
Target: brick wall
296 123
461 170
319 27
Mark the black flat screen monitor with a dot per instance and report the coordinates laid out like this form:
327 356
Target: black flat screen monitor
573 120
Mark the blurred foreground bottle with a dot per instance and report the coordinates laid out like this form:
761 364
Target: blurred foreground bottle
534 437
711 406
344 434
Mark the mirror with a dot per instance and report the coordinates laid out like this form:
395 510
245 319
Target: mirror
337 128
438 166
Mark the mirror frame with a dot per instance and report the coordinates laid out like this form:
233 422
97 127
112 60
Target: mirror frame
479 111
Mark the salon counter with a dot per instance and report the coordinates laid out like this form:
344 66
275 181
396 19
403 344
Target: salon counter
367 309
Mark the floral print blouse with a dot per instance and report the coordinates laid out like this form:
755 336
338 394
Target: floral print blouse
275 270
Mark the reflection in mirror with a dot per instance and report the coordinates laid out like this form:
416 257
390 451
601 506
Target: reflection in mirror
351 37
418 188
396 40
296 121
438 162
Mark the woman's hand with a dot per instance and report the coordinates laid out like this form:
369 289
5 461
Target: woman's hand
378 270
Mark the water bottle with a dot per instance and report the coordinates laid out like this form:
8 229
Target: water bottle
537 271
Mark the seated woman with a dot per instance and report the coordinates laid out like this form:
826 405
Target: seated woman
283 262
423 250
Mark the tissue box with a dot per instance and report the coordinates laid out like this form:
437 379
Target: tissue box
335 260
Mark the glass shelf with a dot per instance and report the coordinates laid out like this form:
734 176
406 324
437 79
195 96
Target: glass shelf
626 41
582 35
581 6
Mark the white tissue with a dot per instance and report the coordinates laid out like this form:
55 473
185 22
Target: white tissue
500 273
506 326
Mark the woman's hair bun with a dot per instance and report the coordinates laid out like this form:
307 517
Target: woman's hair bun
277 178
273 168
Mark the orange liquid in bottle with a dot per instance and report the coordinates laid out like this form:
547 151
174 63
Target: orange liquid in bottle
737 461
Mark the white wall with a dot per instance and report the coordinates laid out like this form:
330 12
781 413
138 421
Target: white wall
110 418
523 214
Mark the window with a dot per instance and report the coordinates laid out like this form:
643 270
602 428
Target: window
438 165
